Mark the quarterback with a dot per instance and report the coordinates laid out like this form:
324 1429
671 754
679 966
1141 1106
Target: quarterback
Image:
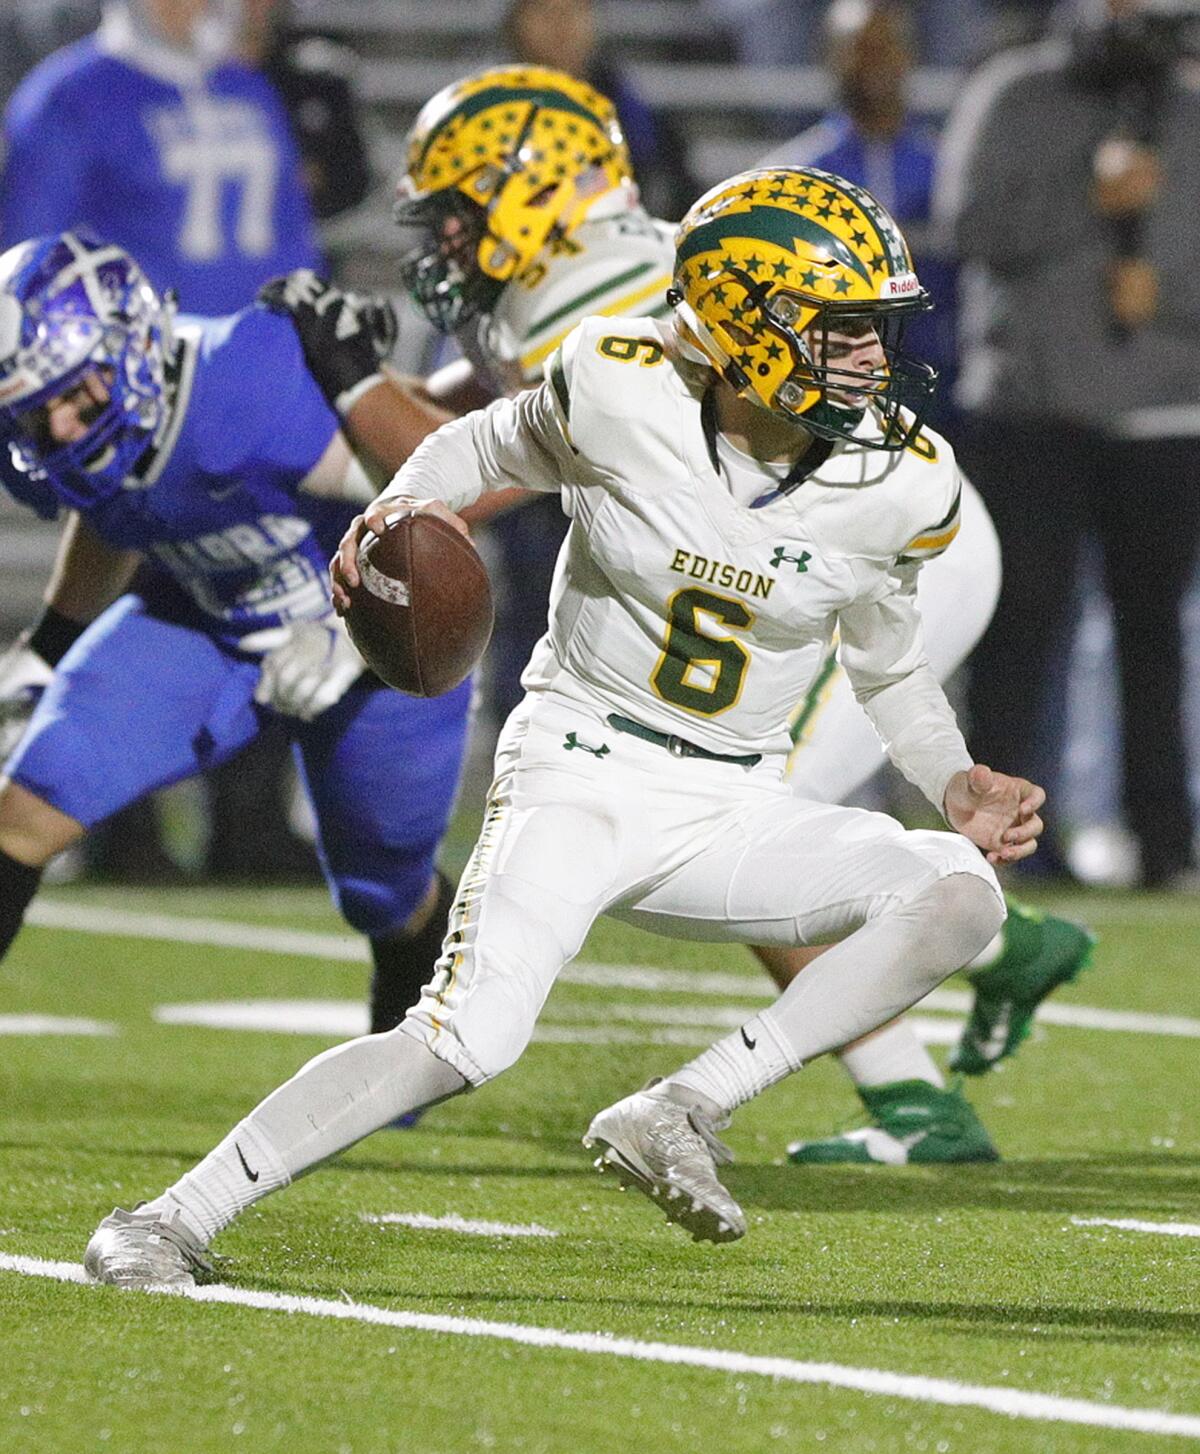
519 217
644 775
160 437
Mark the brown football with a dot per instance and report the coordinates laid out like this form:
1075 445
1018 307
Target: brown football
422 615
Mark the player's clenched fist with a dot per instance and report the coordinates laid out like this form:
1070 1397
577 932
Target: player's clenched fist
998 813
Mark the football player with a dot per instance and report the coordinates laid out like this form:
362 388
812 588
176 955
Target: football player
775 421
521 217
204 447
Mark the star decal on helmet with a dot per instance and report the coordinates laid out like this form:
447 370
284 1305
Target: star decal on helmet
515 155
767 265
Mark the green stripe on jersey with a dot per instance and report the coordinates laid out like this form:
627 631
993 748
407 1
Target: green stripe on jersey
577 305
949 516
558 382
812 698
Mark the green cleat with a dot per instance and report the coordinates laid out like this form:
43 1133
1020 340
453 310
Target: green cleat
1040 953
911 1121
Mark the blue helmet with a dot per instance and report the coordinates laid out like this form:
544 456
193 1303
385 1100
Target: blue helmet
71 305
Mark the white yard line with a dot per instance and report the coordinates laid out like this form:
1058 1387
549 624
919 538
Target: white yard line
346 1018
1128 1224
452 1222
1010 1402
53 1025
212 933
221 934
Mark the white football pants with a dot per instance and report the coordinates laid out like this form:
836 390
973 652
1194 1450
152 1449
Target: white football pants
686 847
837 749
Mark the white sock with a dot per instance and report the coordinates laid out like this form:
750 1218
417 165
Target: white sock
243 1168
891 1054
865 980
739 1066
335 1100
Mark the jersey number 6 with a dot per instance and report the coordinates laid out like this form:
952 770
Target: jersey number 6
702 673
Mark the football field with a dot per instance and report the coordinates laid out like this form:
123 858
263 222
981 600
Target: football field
473 1284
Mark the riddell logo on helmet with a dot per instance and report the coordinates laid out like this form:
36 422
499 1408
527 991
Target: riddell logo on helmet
900 287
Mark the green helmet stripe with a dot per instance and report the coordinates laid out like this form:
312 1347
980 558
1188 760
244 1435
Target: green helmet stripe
769 224
891 243
501 95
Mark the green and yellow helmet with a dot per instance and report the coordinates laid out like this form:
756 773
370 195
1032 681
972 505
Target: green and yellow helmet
498 165
772 262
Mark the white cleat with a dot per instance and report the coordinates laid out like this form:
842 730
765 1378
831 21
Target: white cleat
670 1153
141 1249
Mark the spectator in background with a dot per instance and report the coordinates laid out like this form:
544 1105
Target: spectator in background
788 32
562 34
1071 184
872 140
315 78
154 134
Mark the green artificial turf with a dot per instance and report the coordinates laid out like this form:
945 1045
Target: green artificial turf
975 1274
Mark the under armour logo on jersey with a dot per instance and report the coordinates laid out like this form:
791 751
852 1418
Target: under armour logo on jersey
799 561
573 741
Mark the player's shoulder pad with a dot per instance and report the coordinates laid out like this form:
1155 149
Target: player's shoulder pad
611 369
936 495
250 380
255 344
618 266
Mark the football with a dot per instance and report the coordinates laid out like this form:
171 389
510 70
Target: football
422 615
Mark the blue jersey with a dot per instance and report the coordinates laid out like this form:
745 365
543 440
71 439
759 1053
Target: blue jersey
193 171
218 506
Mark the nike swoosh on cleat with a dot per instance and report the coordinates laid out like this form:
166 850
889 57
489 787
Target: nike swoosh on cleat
746 1040
251 1175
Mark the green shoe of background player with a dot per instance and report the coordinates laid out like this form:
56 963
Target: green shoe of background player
911 1121
1040 953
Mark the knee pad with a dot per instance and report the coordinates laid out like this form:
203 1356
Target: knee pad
495 1022
959 915
380 901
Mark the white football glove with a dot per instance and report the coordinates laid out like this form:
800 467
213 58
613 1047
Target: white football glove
313 665
24 676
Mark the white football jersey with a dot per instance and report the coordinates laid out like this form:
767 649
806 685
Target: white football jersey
673 604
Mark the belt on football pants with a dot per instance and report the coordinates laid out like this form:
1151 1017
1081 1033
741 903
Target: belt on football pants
678 746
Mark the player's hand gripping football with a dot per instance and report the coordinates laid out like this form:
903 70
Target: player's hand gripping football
343 568
998 813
